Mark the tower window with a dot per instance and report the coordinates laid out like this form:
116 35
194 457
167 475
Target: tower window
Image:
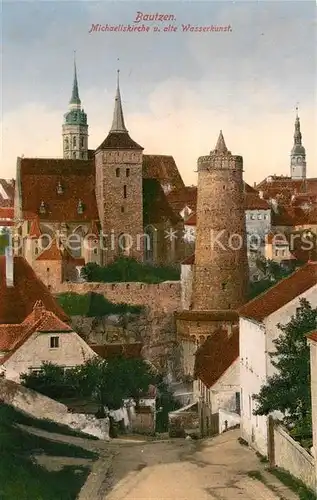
127 172
223 286
81 142
122 209
124 191
66 143
117 172
224 186
74 155
74 142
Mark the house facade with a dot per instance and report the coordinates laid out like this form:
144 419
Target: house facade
258 330
312 339
33 328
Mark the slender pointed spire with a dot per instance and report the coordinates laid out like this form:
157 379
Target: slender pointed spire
118 119
297 132
221 145
75 94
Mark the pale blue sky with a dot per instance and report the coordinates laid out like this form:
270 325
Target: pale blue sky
178 89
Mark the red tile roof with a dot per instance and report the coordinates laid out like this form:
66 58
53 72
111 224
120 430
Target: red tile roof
35 229
312 336
252 201
12 337
39 181
52 252
216 355
280 184
119 140
180 198
128 350
281 294
191 221
6 216
7 192
189 261
164 169
17 302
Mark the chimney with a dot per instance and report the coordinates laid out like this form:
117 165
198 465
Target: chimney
38 310
9 266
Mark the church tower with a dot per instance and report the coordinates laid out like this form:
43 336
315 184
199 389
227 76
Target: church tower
75 127
119 194
221 267
298 153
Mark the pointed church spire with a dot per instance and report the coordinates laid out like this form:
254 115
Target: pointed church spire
297 132
221 145
118 120
75 94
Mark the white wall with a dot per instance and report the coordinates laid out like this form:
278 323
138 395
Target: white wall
223 392
230 418
313 371
72 351
252 377
283 316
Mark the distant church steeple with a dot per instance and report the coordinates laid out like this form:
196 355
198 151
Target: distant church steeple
75 127
298 153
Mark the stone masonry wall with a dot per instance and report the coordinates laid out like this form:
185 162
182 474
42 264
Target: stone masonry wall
155 327
164 296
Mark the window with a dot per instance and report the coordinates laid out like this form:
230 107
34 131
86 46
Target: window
95 250
124 191
74 155
259 216
276 253
81 142
238 406
127 172
74 142
54 342
265 216
252 216
66 143
117 172
122 210
48 269
223 286
224 186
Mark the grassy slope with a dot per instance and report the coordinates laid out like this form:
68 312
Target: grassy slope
21 478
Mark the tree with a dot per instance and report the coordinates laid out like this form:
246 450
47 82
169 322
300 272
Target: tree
272 272
288 391
107 382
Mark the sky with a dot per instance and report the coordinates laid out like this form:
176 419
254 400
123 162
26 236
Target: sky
178 88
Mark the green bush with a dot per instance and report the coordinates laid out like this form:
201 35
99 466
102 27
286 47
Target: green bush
129 270
93 305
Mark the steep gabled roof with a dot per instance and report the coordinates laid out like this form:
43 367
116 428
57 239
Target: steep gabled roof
216 355
281 294
40 178
6 192
17 302
164 169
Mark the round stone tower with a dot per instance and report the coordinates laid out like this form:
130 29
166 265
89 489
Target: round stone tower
221 267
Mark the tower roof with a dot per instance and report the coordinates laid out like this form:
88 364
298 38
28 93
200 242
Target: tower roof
118 137
221 147
75 93
118 125
298 148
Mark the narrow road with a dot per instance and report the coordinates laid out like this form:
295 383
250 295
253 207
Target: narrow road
215 469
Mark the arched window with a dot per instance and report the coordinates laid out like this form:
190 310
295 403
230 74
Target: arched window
117 172
66 143
124 191
81 142
74 142
75 242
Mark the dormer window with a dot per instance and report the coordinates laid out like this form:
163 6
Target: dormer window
60 189
42 208
80 207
